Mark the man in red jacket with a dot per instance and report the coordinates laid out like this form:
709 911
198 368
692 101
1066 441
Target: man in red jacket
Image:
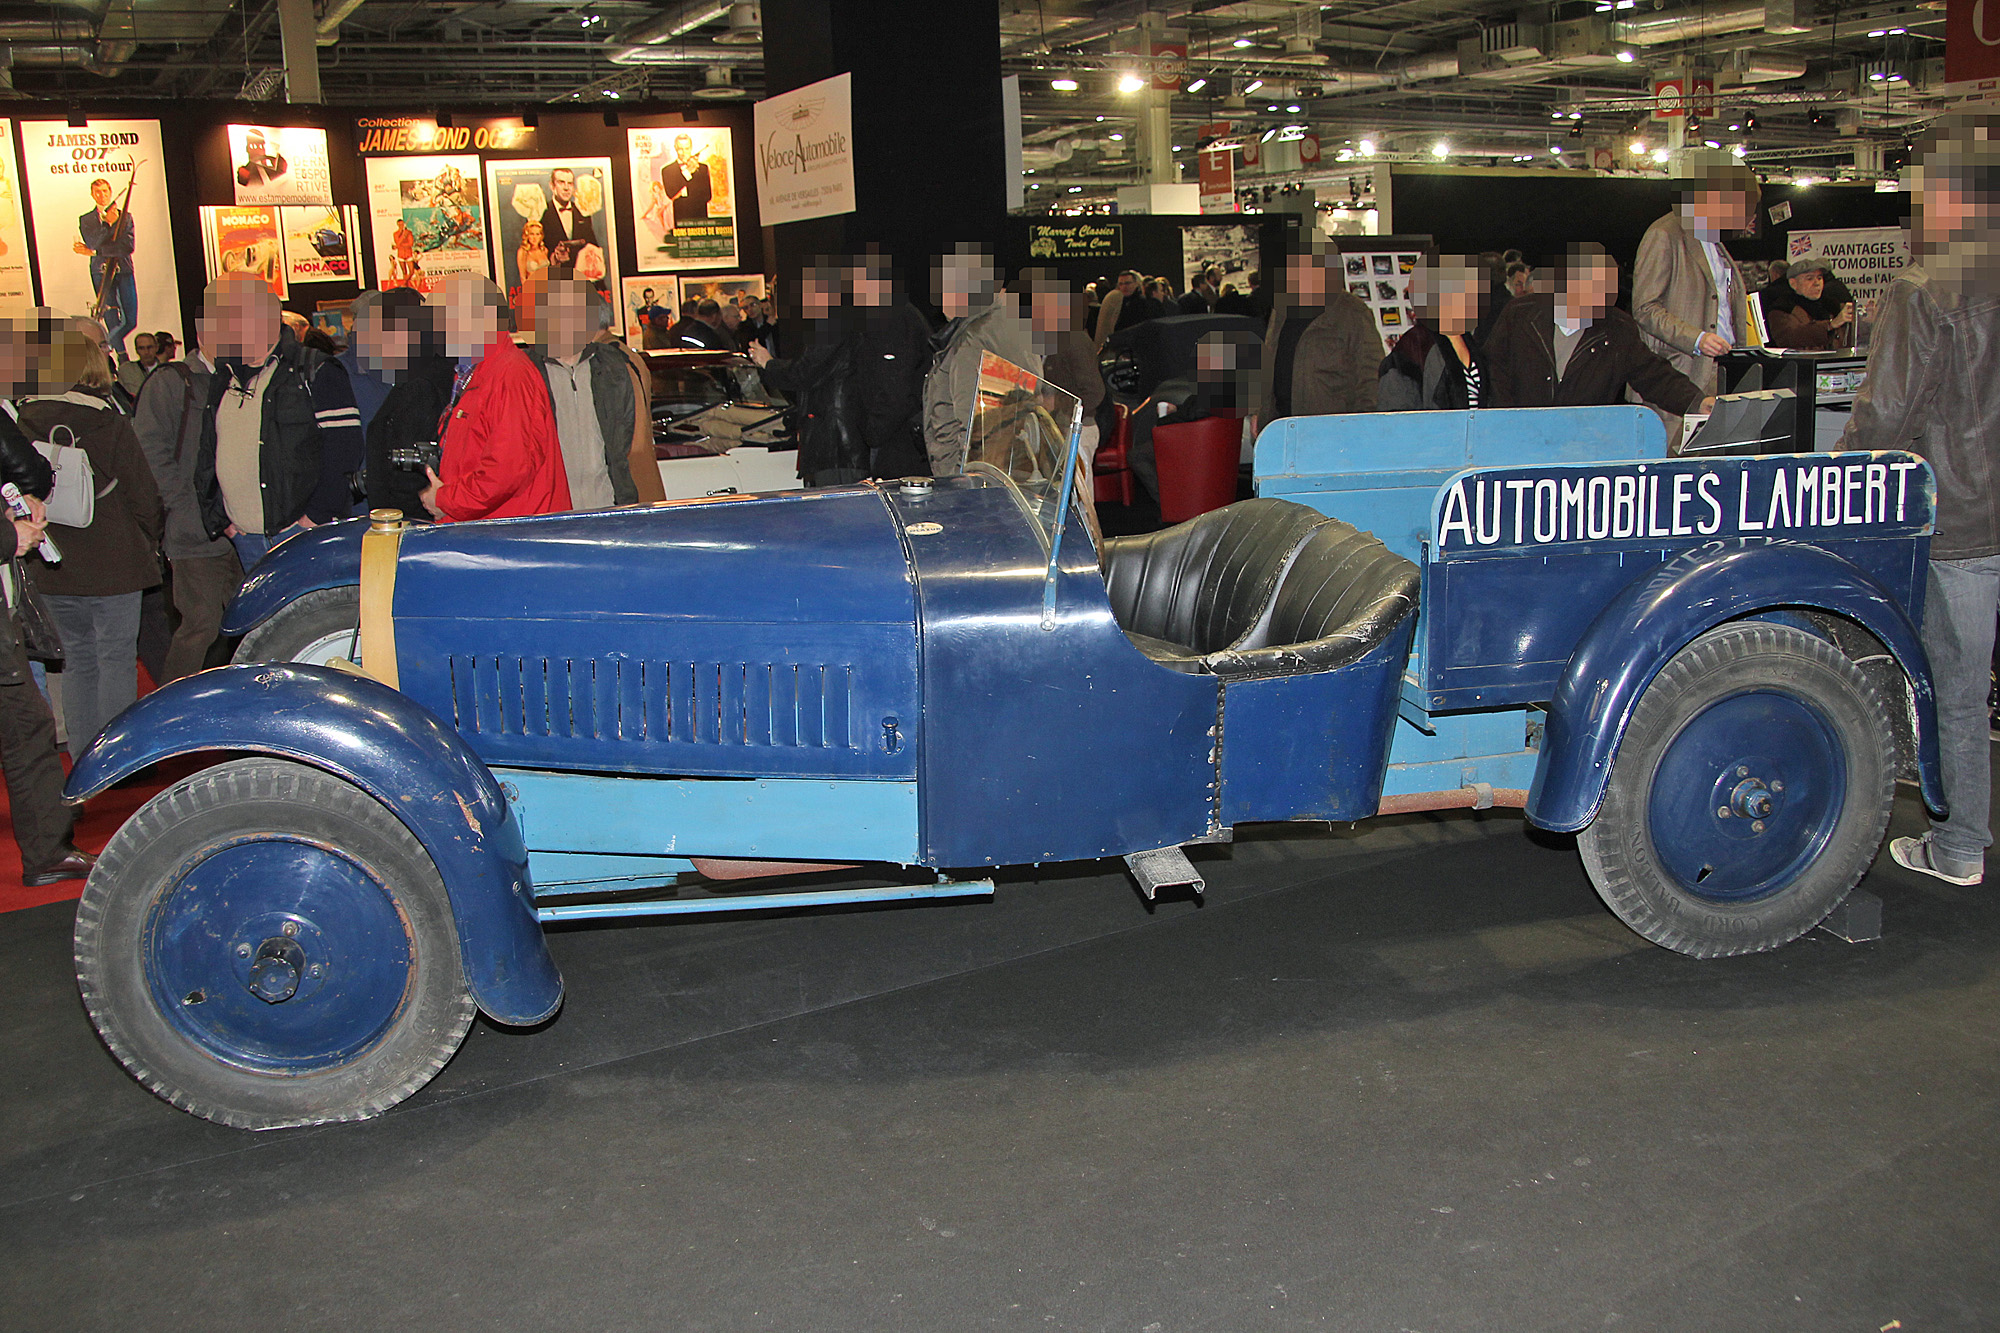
501 456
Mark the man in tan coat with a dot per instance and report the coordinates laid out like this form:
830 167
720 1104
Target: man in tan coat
1321 353
1686 293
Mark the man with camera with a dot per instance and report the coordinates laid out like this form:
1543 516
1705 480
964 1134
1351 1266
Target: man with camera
402 437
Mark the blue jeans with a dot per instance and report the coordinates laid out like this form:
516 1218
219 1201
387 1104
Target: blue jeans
121 304
1959 610
100 675
254 546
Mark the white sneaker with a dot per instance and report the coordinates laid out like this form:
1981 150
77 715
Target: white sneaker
1915 854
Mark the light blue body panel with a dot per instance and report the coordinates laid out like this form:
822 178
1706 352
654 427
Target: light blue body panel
328 556
394 750
1505 617
583 826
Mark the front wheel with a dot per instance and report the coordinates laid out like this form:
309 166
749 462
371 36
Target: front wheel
264 945
316 628
1749 795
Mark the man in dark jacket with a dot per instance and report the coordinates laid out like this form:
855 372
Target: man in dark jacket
819 382
42 822
701 328
892 357
1934 387
590 391
281 442
413 362
206 573
1574 348
1320 349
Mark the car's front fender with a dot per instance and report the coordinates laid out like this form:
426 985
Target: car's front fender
328 556
1657 616
397 752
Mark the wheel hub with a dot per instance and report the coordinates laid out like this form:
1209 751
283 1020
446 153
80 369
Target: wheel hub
274 976
1751 799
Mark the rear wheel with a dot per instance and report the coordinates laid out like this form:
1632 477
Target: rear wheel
264 945
1750 793
315 628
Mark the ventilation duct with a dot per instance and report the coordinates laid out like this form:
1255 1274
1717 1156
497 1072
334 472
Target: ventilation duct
1692 23
702 53
746 26
677 20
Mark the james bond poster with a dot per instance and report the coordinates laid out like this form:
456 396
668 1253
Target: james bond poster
427 219
17 291
683 197
273 165
98 196
552 218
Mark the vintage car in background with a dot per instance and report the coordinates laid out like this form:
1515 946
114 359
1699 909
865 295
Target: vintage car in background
1707 668
716 428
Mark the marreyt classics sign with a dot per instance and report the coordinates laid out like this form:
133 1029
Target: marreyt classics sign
805 151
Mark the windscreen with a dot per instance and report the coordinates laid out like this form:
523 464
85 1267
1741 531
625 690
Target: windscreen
1025 428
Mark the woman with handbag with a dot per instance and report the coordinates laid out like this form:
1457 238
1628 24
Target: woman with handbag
42 821
113 557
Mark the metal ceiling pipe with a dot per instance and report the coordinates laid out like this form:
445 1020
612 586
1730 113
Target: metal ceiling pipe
1691 23
327 31
1442 65
1765 67
1120 18
701 54
677 20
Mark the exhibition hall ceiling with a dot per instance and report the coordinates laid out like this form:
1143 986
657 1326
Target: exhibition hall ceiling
1805 84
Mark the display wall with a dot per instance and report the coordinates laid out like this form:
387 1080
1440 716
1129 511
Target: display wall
323 203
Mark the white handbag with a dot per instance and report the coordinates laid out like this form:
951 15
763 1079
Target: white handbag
73 502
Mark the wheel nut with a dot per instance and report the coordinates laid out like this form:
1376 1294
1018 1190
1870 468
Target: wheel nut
1756 826
290 927
1722 812
1777 786
1742 772
315 970
242 951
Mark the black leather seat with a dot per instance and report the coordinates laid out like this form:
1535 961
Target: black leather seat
1205 585
1344 593
1260 587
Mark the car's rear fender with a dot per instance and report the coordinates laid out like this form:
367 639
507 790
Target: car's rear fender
328 556
1658 615
394 750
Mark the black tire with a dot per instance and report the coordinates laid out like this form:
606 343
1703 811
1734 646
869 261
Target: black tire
1751 717
311 628
185 888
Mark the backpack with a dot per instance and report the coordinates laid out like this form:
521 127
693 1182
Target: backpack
73 502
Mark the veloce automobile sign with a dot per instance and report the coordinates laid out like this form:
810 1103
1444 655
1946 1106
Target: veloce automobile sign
805 151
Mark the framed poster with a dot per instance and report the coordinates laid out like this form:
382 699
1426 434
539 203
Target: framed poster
273 165
683 197
652 305
427 219
17 289
244 240
319 243
552 218
98 200
723 287
1231 248
335 319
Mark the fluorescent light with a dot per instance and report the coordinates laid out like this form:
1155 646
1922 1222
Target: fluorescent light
1711 143
1556 115
1076 189
1253 85
1903 32
1879 32
1242 42
1197 85
1268 134
1118 138
1555 150
1440 149
1293 109
1130 83
1626 57
1273 107
1576 115
1063 85
1367 148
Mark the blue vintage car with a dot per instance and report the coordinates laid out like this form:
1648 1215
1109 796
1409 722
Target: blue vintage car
1706 668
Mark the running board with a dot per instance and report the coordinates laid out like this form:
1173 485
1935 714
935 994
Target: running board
731 904
1165 867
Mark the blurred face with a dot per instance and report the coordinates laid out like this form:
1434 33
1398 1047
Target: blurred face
385 346
1052 310
1809 285
241 320
1950 212
563 321
16 374
871 286
468 313
148 350
562 184
963 281
1718 210
817 296
1448 292
1305 278
1589 290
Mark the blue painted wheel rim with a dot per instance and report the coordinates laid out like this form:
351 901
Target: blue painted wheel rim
1747 795
205 930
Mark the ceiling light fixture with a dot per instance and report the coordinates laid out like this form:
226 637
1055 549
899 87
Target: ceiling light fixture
1197 85
1638 147
1440 149
1063 85
1130 83
1367 147
1118 138
1293 108
1555 150
1576 115
1253 86
1241 42
1627 57
1660 155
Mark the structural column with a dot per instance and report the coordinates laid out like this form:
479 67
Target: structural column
929 143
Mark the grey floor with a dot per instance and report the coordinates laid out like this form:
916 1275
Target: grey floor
1406 1077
